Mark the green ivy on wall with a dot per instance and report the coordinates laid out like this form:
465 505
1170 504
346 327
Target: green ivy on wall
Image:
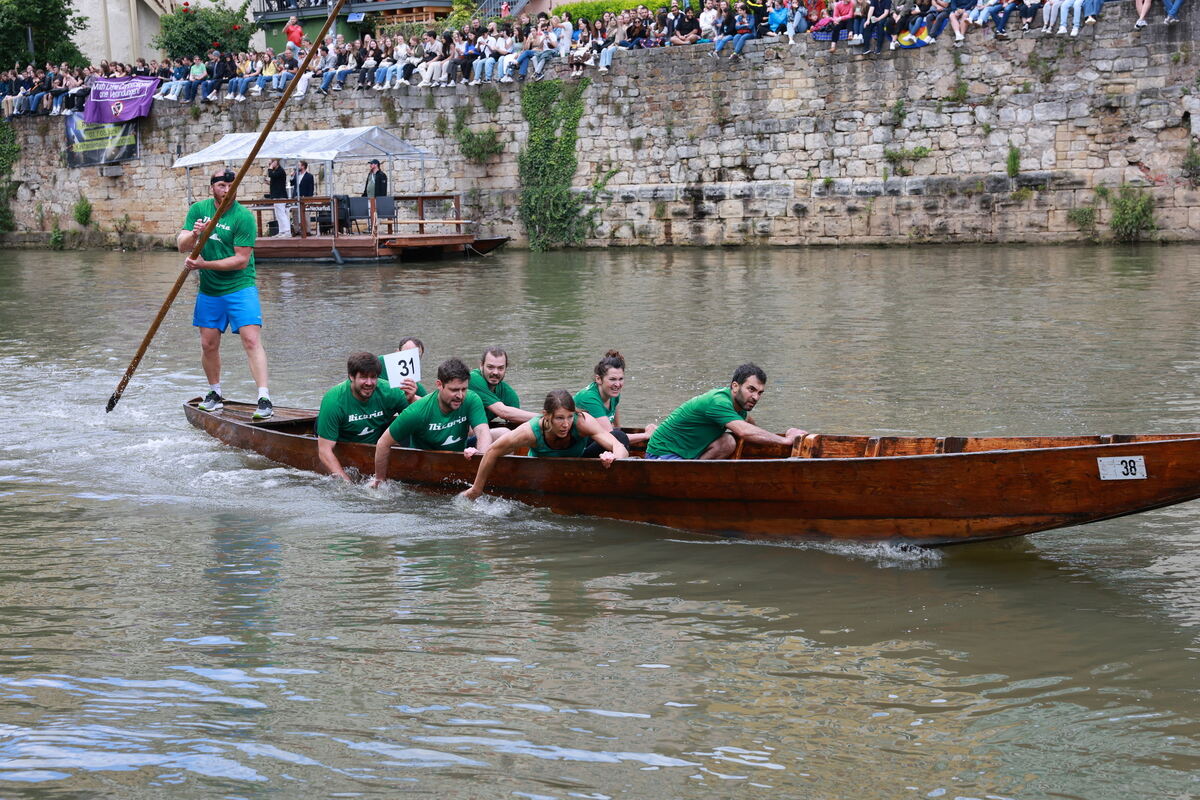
476 147
9 150
552 214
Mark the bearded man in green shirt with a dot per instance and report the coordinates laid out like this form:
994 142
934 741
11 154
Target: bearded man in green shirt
708 426
358 409
228 296
498 397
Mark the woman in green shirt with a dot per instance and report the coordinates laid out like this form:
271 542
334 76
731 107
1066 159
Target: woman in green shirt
562 431
601 396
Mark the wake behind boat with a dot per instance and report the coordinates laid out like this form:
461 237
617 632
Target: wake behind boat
916 490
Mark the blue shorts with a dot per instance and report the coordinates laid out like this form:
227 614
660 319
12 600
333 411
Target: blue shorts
666 457
231 310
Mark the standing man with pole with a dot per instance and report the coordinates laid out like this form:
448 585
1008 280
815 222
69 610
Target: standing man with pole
228 296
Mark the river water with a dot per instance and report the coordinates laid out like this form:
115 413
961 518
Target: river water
182 619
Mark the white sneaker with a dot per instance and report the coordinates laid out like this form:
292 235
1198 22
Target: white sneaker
892 46
214 97
474 83
241 98
508 78
379 87
423 84
1075 31
229 95
791 40
1062 29
602 69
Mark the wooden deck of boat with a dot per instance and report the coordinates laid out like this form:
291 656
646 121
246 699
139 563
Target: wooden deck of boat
356 246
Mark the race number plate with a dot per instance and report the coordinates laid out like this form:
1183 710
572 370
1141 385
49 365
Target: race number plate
1122 468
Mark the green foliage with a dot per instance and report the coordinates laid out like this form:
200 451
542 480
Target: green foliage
986 128
429 101
1191 165
1084 218
1132 214
389 109
476 146
899 112
489 98
637 143
959 94
123 225
58 239
552 214
897 158
1026 87
1013 165
82 211
594 9
52 23
441 125
1022 195
195 111
9 151
827 183
193 30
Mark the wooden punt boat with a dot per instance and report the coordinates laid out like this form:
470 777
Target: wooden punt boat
919 490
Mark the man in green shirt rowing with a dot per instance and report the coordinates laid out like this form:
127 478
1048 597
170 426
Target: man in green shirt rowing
228 297
498 397
705 427
442 420
358 409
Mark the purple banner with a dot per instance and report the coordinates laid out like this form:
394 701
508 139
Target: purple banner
120 99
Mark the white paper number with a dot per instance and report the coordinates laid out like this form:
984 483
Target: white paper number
1122 468
403 365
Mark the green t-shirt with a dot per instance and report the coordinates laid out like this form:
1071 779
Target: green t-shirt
430 429
695 425
503 393
421 390
345 418
236 228
588 399
542 450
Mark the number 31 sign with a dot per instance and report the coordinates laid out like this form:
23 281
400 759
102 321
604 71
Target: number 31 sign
403 366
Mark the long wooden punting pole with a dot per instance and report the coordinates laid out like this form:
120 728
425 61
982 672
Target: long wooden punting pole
225 204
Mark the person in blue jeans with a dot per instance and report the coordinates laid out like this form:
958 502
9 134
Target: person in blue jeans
739 30
1173 7
876 28
1000 13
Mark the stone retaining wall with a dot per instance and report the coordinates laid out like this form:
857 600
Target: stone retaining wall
791 146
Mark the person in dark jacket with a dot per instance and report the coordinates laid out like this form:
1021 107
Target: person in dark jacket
377 183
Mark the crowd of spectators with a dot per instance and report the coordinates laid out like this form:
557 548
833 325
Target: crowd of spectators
504 52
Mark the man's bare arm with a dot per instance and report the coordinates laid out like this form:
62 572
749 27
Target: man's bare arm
329 460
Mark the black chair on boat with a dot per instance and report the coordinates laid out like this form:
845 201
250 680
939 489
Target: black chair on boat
385 211
359 209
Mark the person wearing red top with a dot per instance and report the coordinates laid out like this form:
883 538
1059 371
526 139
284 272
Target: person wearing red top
294 33
843 18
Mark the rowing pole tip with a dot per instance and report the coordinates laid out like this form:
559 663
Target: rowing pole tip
112 403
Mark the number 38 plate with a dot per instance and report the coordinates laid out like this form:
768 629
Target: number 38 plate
1122 468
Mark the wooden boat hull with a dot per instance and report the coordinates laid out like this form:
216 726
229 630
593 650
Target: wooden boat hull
931 499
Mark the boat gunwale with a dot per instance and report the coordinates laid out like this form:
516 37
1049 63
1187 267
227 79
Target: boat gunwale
266 426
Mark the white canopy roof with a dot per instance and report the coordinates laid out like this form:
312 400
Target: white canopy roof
337 144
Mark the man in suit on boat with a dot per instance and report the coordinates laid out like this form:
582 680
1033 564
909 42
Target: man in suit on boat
358 409
303 183
709 426
228 296
441 420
